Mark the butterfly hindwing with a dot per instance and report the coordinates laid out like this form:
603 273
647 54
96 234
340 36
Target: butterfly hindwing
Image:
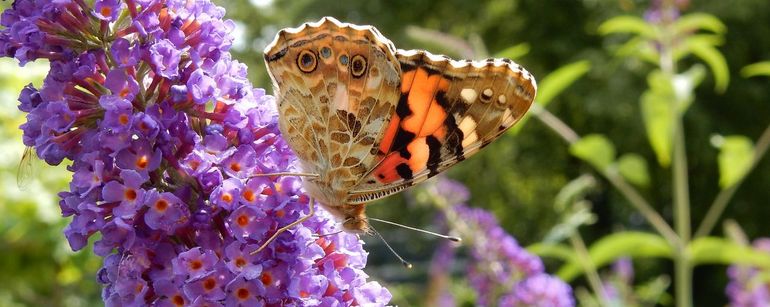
447 111
337 85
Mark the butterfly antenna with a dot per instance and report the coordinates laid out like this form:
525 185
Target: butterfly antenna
404 262
448 237
321 235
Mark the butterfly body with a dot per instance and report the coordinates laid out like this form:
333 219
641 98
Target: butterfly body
372 120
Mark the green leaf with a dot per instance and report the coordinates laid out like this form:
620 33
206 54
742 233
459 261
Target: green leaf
713 250
736 154
756 69
595 149
621 244
704 49
656 104
699 21
558 80
580 216
641 48
627 24
574 191
553 84
633 167
514 52
551 250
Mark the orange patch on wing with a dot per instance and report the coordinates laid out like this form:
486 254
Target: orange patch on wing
406 81
420 152
390 134
427 115
386 171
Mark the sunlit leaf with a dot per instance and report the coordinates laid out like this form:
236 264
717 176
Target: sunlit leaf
514 52
557 81
705 50
554 84
713 250
641 48
633 167
580 216
736 154
551 250
573 191
595 149
756 69
627 24
699 21
616 245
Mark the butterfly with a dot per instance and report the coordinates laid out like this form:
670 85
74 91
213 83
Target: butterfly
367 120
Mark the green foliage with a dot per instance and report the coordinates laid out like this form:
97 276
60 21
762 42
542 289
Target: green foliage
713 250
736 154
756 69
619 244
595 149
633 167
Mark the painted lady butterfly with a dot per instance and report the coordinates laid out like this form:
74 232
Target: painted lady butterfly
369 120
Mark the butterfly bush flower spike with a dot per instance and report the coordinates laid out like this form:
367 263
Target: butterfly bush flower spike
500 271
164 132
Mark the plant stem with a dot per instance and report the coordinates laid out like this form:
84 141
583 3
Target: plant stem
680 180
724 196
589 268
614 178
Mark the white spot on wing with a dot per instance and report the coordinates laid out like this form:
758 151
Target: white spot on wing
469 94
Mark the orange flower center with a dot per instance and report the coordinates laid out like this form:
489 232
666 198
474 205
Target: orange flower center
142 162
227 197
242 220
129 194
242 293
196 265
106 11
209 284
248 195
266 278
240 262
123 119
235 166
161 205
178 300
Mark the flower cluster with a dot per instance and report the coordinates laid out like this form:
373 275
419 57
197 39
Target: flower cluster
166 136
501 272
748 285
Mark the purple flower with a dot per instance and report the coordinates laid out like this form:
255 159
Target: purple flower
499 270
747 286
194 263
166 212
163 159
165 57
539 290
140 157
228 194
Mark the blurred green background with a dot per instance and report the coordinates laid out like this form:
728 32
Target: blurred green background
517 177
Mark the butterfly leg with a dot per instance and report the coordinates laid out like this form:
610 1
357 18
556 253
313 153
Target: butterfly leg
285 174
311 203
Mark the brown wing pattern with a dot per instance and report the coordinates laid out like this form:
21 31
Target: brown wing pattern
447 111
337 85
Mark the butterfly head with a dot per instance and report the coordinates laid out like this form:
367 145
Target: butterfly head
353 217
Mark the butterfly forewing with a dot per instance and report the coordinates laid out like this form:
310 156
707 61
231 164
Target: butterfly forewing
448 110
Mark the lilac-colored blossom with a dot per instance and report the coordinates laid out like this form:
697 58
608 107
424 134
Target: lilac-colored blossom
165 134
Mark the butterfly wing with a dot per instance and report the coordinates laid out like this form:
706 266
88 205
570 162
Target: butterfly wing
447 111
337 85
